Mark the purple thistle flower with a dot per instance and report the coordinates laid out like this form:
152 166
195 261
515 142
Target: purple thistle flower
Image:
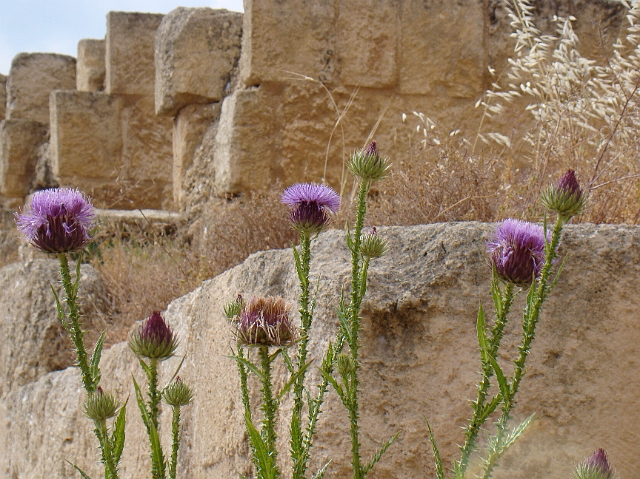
598 460
154 339
58 220
310 205
266 321
372 149
517 251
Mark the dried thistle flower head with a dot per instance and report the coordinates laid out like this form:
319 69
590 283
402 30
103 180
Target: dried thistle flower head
100 406
233 309
373 245
565 197
310 205
57 220
154 339
517 251
368 164
596 466
178 393
266 321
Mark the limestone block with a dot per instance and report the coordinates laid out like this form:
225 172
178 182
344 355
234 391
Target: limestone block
86 140
20 141
33 76
91 65
441 48
188 132
281 39
34 341
3 96
367 42
419 359
196 51
130 66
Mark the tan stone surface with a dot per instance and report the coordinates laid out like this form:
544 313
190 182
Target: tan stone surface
280 38
3 96
367 42
34 341
91 65
197 49
32 78
419 357
20 141
189 128
130 66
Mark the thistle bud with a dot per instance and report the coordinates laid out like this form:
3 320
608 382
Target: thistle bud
596 466
266 321
100 406
372 245
233 309
368 164
154 339
565 197
345 365
177 393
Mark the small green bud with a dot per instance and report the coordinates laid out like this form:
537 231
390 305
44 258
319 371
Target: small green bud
596 466
345 365
154 339
565 197
233 309
368 164
372 245
100 406
177 393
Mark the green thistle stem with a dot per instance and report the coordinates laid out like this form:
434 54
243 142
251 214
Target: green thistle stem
154 394
244 388
269 408
105 445
175 443
75 329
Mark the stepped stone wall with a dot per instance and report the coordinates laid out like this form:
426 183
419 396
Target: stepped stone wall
419 359
281 92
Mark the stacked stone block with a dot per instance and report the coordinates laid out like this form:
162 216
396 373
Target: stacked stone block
91 69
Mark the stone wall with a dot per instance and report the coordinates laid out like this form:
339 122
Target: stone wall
419 360
282 92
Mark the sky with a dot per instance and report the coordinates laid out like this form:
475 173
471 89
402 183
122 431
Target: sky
56 26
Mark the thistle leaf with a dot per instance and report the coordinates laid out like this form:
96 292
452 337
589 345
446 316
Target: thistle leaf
502 381
94 363
321 472
82 473
249 365
378 455
436 452
118 436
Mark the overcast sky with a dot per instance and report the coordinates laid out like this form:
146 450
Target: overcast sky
57 25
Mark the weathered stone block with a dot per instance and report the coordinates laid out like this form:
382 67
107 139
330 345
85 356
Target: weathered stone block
196 51
281 39
32 78
130 68
3 96
91 67
367 42
86 139
441 48
188 131
20 141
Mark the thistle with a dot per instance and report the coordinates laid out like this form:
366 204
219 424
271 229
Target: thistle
234 308
517 251
373 245
265 321
57 220
310 205
368 164
178 393
596 466
566 198
100 406
154 339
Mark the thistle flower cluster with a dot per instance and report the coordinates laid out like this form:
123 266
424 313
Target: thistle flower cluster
517 251
265 321
596 466
368 164
100 406
566 198
57 220
178 393
154 339
311 205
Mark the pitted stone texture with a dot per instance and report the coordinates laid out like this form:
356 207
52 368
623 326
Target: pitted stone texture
419 359
130 68
20 142
441 49
197 49
3 96
367 43
189 128
32 78
34 341
282 39
91 67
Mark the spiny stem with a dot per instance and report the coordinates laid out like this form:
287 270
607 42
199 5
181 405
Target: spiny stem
105 446
154 394
175 443
268 408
